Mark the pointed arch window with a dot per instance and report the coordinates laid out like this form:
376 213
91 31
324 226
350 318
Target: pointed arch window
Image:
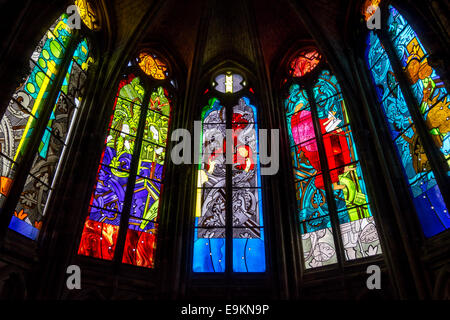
123 215
36 125
333 206
416 110
229 228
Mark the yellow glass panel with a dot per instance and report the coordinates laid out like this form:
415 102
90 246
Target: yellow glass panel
88 14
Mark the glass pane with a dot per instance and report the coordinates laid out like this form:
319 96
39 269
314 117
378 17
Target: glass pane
409 147
339 148
159 101
396 112
29 212
311 200
118 150
98 240
110 190
213 112
19 120
304 62
326 86
318 248
152 153
6 179
349 189
247 208
209 250
140 244
145 203
426 85
437 120
82 55
45 163
305 159
104 215
299 124
431 209
332 113
360 239
210 208
248 250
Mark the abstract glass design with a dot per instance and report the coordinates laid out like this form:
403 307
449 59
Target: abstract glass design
87 14
21 117
153 66
304 62
430 207
116 174
427 87
247 215
369 8
209 232
211 213
229 83
359 235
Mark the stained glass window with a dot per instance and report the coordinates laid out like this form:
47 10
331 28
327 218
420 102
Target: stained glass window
430 99
153 65
130 174
229 212
42 96
88 14
229 83
304 62
319 130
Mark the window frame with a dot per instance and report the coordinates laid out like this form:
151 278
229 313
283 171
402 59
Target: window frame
25 165
436 159
150 85
307 82
228 101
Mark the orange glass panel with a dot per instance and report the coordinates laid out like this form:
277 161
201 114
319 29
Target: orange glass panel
152 66
369 8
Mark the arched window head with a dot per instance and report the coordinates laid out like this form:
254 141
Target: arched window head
152 65
36 125
330 188
124 209
229 82
416 110
305 61
88 14
229 227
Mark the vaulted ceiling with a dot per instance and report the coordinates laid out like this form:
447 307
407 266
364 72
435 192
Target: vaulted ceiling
215 28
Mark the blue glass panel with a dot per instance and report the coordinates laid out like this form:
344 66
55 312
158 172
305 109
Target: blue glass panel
209 253
432 212
249 254
326 86
311 201
23 228
315 224
430 207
